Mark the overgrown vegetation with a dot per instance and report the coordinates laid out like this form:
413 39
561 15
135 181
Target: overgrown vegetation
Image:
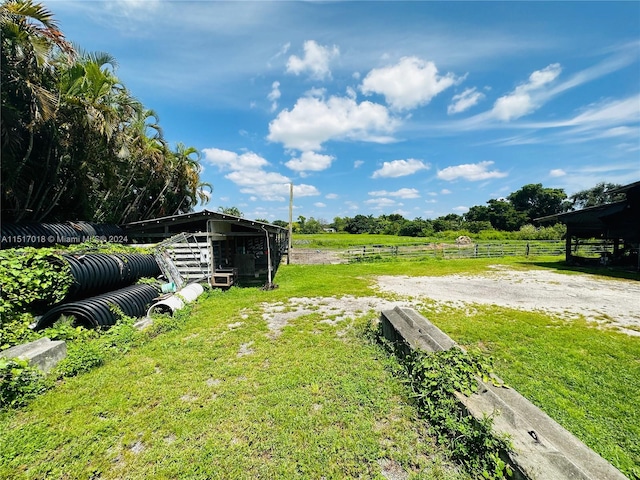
34 279
19 382
434 378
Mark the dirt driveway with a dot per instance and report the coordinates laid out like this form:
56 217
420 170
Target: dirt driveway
614 302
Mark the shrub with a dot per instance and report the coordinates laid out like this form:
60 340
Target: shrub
31 281
16 331
81 357
19 382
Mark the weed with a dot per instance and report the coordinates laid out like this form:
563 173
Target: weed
19 382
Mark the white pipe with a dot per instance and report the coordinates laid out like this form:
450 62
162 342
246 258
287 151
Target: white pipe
268 255
177 301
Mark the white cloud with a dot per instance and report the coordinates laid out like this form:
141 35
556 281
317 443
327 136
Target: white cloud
408 84
319 204
331 196
446 191
470 171
274 95
526 97
247 170
400 168
382 202
461 209
358 163
310 161
402 193
557 172
315 62
313 121
465 100
225 159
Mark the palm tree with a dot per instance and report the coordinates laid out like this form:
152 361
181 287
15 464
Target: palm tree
30 42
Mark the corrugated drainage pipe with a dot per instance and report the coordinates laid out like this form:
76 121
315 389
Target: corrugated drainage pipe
177 301
96 311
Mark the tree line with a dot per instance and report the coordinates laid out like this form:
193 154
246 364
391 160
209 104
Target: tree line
515 213
76 144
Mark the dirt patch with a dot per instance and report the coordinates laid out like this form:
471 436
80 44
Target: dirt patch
333 309
310 256
612 302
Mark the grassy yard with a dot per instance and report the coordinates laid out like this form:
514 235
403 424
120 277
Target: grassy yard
223 397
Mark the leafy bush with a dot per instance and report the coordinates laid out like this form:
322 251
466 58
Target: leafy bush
530 232
31 281
19 382
16 331
81 357
434 378
120 337
64 329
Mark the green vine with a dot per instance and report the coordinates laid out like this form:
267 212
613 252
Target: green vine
433 379
19 382
31 281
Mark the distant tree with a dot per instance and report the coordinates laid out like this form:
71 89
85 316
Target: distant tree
310 226
391 224
477 226
361 224
280 223
451 221
416 228
536 201
234 211
504 216
340 223
477 213
597 195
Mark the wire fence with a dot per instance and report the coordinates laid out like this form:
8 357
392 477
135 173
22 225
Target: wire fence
370 253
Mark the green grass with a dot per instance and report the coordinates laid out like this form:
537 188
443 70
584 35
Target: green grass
339 241
318 400
586 379
188 404
342 240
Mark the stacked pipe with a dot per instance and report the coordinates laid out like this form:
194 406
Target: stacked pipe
48 234
99 272
95 312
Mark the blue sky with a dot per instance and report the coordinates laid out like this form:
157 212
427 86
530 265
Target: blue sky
417 108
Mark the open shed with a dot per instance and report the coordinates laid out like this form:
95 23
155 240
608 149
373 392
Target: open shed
615 226
226 244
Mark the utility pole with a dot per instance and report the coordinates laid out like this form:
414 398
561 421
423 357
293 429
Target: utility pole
290 222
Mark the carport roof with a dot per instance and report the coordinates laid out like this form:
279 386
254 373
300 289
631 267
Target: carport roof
613 220
197 219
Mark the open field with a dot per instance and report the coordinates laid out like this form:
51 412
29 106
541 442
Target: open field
283 384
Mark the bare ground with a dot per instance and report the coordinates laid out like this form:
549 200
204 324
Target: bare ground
611 303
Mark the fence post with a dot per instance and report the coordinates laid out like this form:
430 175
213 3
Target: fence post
526 251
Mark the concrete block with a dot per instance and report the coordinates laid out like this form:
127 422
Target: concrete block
42 353
542 448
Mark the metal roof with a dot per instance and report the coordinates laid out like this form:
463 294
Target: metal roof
612 220
197 217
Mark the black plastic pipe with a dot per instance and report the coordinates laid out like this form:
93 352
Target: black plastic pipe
96 312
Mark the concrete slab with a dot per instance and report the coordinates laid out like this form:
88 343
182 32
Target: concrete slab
543 449
43 353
